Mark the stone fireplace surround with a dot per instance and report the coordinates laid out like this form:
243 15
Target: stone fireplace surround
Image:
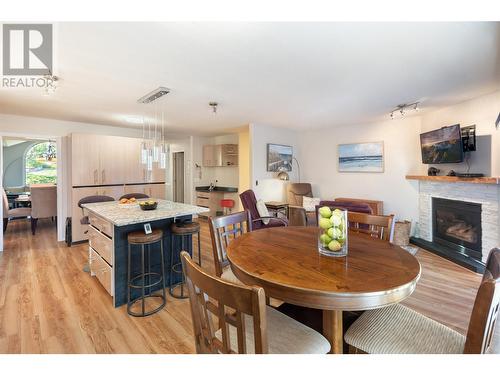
487 194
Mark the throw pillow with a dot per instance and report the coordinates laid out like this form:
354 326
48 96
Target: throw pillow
310 203
263 211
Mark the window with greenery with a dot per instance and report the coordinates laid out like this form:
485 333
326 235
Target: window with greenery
41 164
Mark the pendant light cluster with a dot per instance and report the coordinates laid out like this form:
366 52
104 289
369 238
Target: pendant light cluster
154 149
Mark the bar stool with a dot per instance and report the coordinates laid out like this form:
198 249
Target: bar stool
139 238
227 205
181 230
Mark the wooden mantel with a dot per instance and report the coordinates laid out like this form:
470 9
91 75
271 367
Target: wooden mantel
475 180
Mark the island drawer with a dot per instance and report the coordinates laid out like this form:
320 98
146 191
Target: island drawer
202 194
203 202
102 270
100 224
102 244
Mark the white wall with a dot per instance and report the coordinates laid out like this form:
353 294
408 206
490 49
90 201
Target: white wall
482 112
319 162
265 184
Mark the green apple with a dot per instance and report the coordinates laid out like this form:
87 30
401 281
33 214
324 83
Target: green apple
341 240
337 212
325 239
334 233
336 220
324 223
334 245
325 212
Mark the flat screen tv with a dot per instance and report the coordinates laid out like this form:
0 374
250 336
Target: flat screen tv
442 145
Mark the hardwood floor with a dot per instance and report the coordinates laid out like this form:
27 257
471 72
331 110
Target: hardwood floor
49 305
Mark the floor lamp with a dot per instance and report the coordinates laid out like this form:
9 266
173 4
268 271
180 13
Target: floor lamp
283 175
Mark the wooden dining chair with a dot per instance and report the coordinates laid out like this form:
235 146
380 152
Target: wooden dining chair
222 230
246 324
399 330
379 226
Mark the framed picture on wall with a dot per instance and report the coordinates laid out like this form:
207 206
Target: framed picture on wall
279 158
361 157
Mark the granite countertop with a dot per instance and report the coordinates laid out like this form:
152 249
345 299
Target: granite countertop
126 214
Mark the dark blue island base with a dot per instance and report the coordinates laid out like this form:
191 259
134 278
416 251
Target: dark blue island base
121 257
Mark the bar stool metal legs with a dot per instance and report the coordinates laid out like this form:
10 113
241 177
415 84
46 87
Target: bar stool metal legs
182 231
145 280
176 268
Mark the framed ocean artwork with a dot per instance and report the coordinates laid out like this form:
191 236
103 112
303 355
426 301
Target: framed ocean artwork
279 158
361 157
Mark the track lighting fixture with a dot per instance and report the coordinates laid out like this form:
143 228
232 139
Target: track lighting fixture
404 108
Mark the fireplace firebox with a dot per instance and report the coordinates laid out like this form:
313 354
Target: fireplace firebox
457 226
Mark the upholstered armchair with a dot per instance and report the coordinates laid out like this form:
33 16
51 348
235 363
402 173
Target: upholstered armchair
297 214
43 203
12 213
249 202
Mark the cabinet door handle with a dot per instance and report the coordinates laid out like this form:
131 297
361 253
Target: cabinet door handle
103 175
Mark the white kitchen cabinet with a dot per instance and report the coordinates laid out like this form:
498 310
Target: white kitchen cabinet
112 160
224 155
85 159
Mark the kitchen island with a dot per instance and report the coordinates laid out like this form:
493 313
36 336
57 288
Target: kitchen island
111 222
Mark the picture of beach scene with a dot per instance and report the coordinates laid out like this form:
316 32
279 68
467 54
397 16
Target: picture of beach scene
361 157
279 158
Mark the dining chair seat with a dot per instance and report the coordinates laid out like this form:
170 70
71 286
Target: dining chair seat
285 336
228 275
399 330
20 212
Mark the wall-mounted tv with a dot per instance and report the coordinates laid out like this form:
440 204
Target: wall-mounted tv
442 145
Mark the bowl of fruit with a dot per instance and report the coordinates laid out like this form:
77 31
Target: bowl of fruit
148 205
332 239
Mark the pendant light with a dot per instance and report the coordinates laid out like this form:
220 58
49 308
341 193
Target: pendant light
154 148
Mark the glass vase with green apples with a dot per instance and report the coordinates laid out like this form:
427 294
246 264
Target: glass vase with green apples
332 238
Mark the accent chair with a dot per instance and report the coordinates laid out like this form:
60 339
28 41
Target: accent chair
297 214
249 202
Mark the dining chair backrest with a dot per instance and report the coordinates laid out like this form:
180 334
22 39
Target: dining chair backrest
486 308
379 226
5 204
43 201
210 295
222 230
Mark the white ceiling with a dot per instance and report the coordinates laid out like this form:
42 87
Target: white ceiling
296 75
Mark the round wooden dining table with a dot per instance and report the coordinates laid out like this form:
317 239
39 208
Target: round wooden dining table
285 261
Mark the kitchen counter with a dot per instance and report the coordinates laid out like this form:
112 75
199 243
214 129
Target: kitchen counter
126 214
110 224
222 189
